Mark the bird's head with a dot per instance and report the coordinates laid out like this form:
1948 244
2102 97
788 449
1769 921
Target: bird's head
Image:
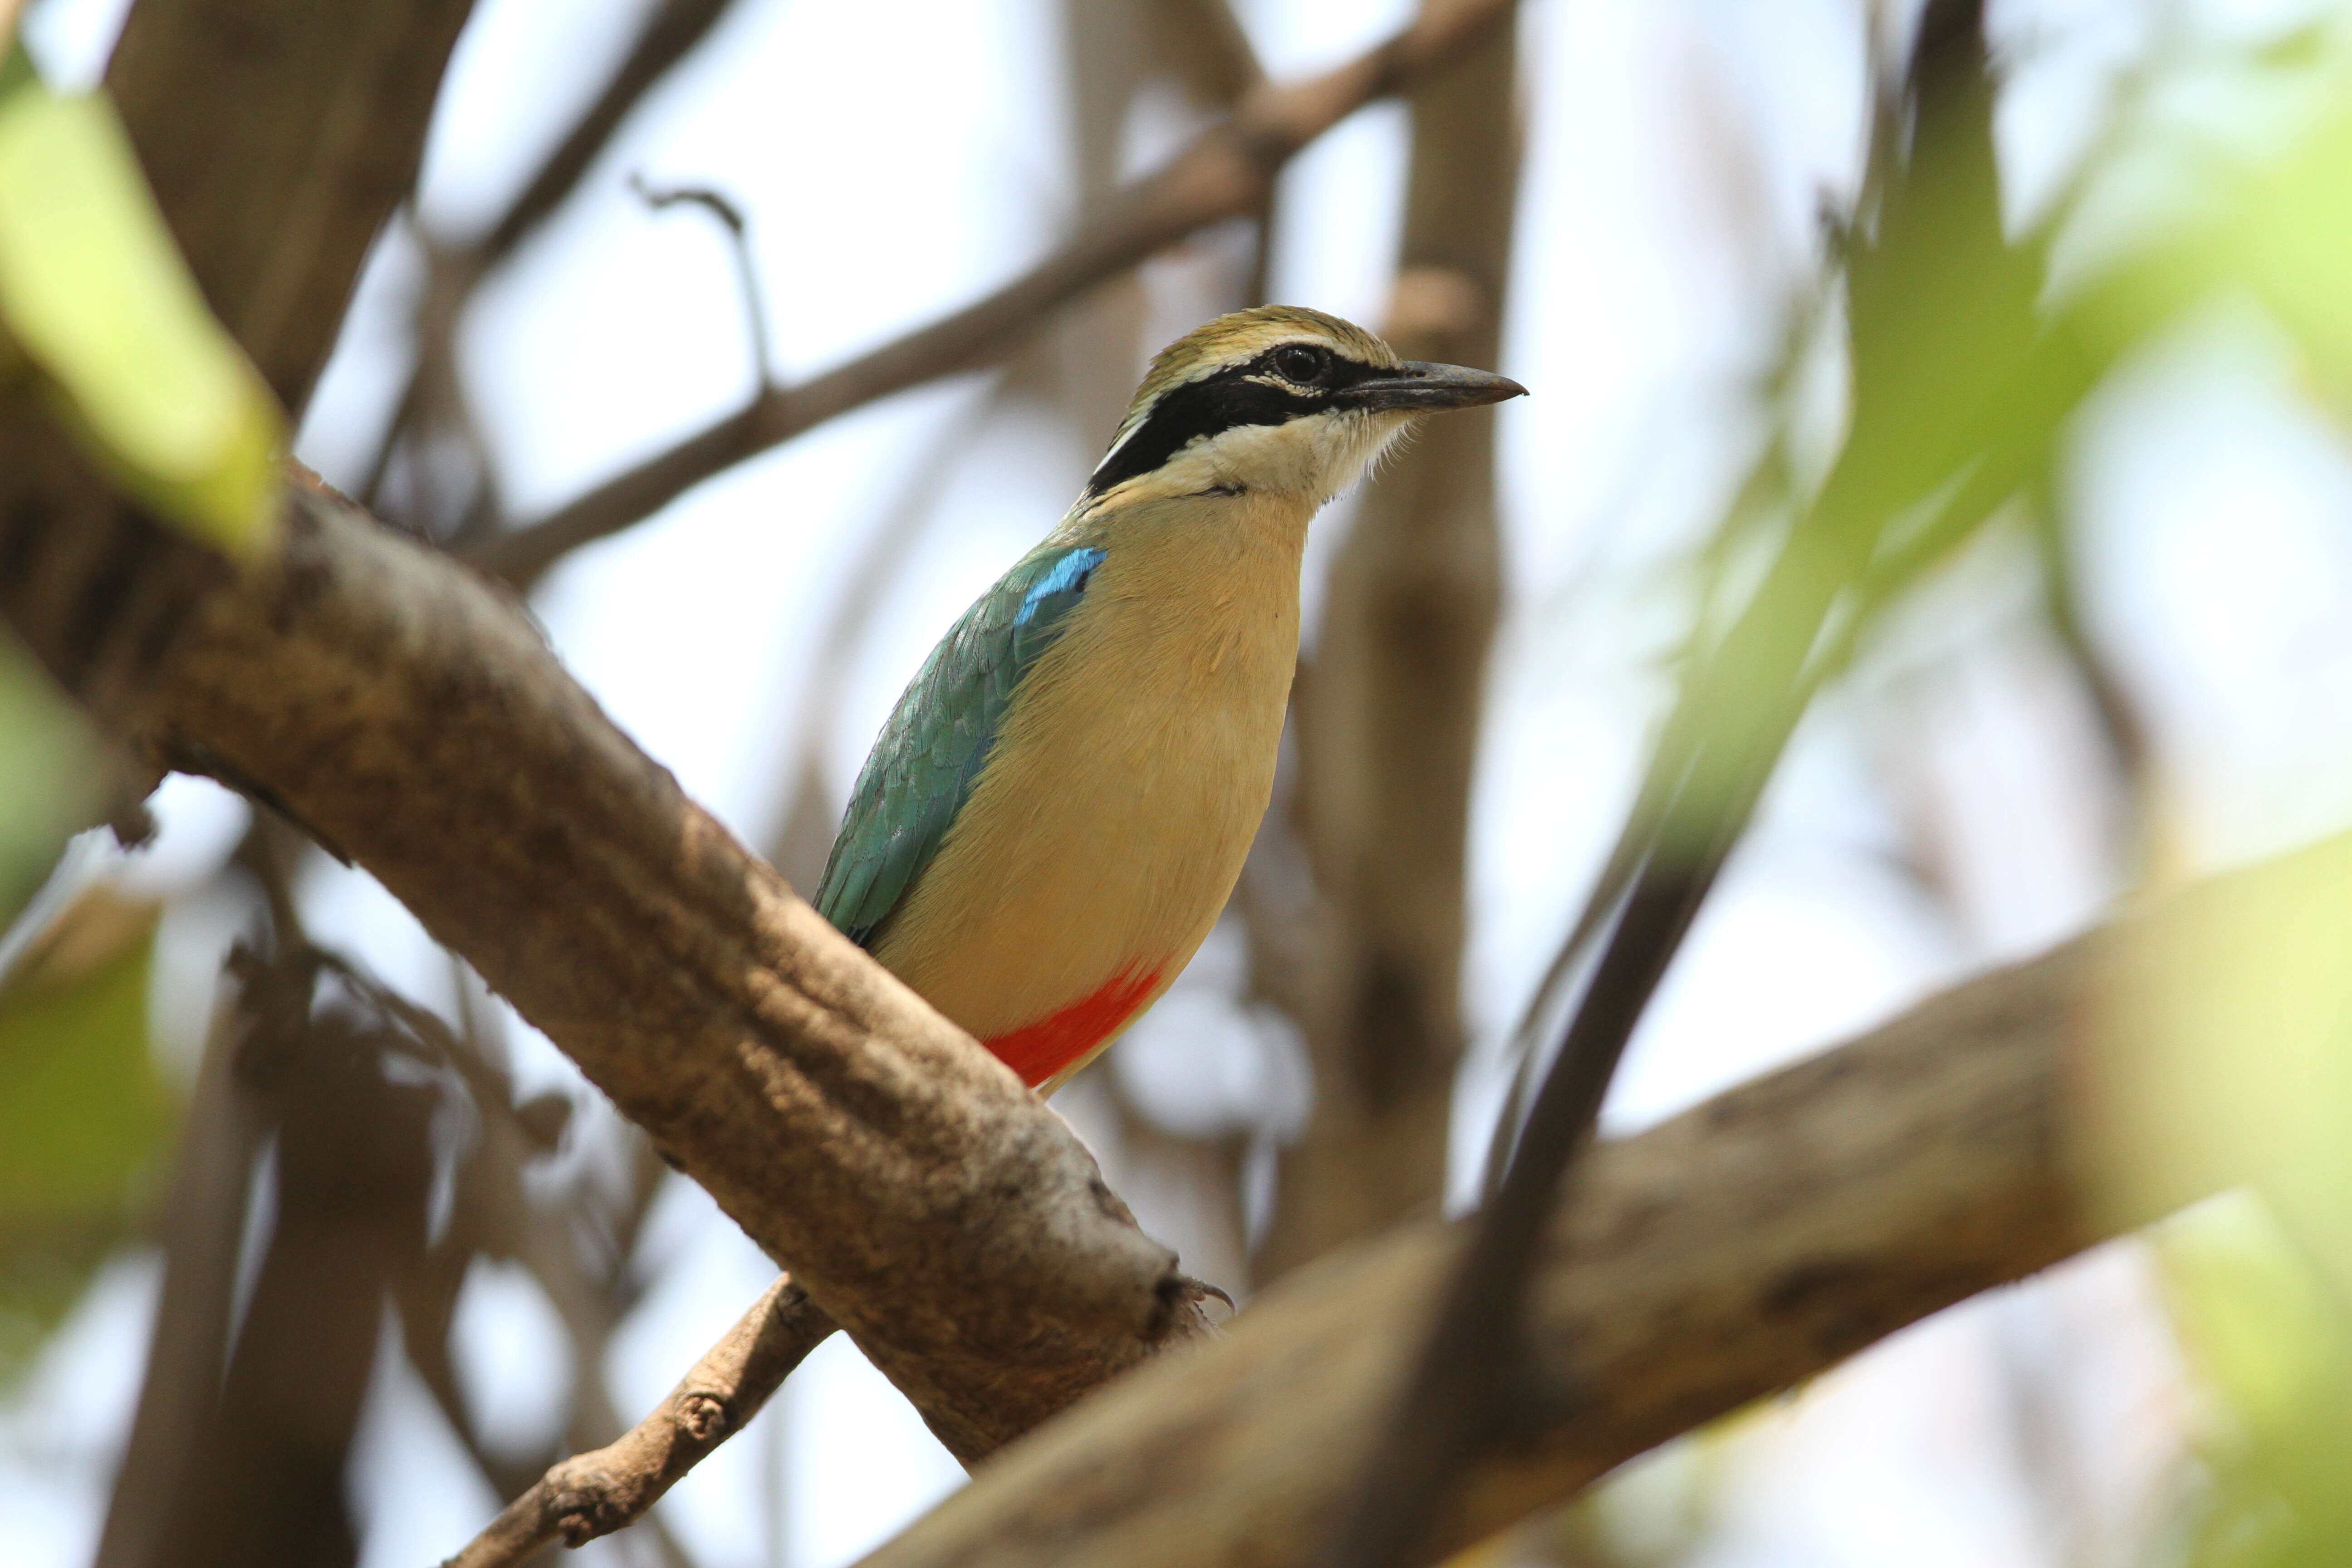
1276 399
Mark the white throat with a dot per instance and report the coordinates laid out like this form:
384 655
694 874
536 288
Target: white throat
1314 457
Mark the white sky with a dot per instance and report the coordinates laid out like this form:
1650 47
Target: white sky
897 158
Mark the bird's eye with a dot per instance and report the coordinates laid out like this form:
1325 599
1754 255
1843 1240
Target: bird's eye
1300 364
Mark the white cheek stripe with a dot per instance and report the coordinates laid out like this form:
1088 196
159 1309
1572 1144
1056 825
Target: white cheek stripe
1315 454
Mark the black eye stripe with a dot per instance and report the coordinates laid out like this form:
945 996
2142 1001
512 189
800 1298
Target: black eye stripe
1252 393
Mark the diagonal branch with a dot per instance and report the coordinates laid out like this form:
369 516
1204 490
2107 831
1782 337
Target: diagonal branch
1747 1245
1734 1251
1208 47
594 1494
433 397
669 38
1228 171
412 721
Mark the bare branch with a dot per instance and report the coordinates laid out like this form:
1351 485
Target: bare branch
414 721
666 39
1208 48
242 1465
1737 1250
433 401
729 214
1229 172
596 1493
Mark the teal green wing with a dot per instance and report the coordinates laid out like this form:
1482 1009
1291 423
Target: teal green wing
929 755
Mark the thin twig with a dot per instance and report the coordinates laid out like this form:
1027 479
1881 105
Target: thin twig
1228 171
583 1268
456 267
668 38
747 270
594 1494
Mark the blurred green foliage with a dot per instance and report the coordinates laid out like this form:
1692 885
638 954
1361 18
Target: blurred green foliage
2226 1062
51 774
2229 1055
95 295
98 309
1967 352
84 1116
2272 1339
2233 1066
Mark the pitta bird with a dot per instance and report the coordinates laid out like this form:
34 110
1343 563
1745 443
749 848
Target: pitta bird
1057 809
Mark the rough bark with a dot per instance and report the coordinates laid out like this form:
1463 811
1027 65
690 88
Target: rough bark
1732 1252
412 721
1388 708
277 135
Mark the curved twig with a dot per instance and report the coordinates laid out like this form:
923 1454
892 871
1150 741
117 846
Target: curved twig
598 1492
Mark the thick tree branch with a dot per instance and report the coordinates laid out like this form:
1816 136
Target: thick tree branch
412 720
1228 173
278 134
594 1494
1737 1250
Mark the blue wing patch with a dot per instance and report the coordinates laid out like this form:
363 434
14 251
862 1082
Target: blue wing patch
931 753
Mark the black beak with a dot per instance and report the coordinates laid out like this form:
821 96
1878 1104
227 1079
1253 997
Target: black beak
1419 388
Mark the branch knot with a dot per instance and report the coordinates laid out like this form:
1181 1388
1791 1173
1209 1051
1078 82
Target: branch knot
704 1416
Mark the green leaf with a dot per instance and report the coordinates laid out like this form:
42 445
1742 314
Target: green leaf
2227 1053
2273 1345
16 65
52 777
2296 244
94 292
84 1116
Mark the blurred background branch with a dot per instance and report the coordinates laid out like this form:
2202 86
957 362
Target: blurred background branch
451 483
1388 708
1228 171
